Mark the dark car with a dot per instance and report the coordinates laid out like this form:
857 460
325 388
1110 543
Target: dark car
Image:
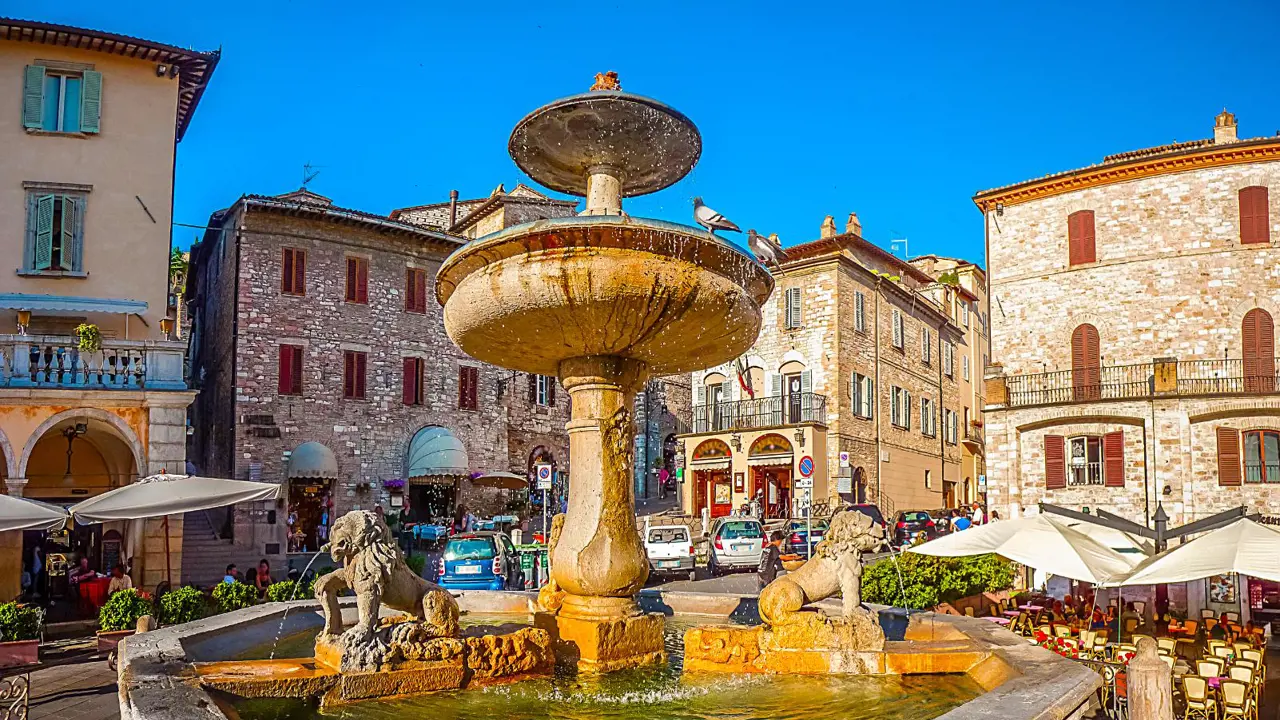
798 535
872 512
911 523
480 561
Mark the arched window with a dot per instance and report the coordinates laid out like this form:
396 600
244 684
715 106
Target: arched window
1259 353
1080 238
1086 364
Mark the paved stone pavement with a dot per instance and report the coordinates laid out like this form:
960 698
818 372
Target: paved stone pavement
81 690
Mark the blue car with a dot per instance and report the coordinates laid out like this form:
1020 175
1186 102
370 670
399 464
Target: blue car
480 561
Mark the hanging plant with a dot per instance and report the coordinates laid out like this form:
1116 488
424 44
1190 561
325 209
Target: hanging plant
90 337
395 484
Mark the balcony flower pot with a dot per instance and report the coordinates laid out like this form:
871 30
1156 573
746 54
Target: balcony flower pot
109 639
19 652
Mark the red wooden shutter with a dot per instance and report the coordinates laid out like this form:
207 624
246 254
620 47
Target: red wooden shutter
408 289
348 374
420 290
409 391
474 397
1259 351
362 281
415 293
1255 216
1113 458
286 271
1085 363
285 385
533 389
300 272
361 359
1228 457
1055 462
551 390
1081 247
297 369
463 380
352 263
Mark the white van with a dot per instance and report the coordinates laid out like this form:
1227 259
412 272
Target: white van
670 550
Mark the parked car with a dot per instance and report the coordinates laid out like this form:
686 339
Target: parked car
872 512
670 551
912 522
484 560
941 520
736 543
798 533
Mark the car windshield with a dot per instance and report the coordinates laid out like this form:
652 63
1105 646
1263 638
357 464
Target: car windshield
668 535
916 517
469 549
818 525
739 530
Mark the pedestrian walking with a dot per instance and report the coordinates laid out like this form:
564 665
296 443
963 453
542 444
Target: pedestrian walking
978 516
770 560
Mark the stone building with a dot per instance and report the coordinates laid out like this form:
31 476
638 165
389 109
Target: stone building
856 370
90 125
323 365
1132 332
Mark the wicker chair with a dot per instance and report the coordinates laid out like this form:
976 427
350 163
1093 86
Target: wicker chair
1210 667
1232 616
1196 702
1223 651
1167 644
1062 631
1237 700
1255 656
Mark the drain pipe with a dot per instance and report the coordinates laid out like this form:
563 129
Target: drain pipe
876 403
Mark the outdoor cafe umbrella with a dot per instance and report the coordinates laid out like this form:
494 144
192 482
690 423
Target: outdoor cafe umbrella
500 479
1037 541
23 514
1244 547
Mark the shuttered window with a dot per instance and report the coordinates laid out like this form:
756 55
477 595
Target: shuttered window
1228 457
293 272
926 345
1055 466
949 358
1259 352
357 280
55 226
468 382
964 366
1255 215
1080 238
900 408
413 377
927 428
793 308
290 370
415 290
1086 370
55 100
862 392
542 390
354 365
1113 459
899 330
860 312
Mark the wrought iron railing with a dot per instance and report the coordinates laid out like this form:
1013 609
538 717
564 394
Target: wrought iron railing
1061 386
1226 377
790 409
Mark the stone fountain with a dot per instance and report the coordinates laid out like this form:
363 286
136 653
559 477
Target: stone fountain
603 301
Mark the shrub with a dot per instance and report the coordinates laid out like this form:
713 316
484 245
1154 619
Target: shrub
234 596
123 610
284 590
182 605
416 563
20 622
927 581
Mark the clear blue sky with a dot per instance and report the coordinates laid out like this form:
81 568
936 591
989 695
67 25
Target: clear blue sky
900 110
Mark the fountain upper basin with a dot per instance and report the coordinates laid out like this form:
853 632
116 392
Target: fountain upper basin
673 297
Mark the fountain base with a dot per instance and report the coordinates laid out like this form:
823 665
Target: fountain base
809 644
604 644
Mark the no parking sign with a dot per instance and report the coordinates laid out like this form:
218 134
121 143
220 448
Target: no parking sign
543 473
806 466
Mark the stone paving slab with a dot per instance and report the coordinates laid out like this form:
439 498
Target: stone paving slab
75 691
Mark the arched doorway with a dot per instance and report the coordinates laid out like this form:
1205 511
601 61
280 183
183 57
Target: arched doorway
771 458
1259 352
436 461
859 486
712 486
311 471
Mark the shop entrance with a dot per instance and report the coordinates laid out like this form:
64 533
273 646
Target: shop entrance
432 502
776 483
308 501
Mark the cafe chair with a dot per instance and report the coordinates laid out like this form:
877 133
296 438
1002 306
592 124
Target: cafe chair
1223 651
1062 631
1255 656
1237 701
1136 637
1189 627
1140 607
1210 667
1167 644
1240 646
1209 623
1196 700
1232 616
1169 660
1130 625
1207 614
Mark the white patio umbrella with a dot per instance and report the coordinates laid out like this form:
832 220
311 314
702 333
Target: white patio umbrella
501 479
23 514
1038 541
1244 547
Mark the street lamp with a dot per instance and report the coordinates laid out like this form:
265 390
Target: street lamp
800 437
72 432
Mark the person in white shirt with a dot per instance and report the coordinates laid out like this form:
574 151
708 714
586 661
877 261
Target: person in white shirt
977 516
119 581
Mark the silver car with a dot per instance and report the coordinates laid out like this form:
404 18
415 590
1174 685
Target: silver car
736 543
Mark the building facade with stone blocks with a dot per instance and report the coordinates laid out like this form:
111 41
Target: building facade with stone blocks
1132 324
324 365
854 378
92 394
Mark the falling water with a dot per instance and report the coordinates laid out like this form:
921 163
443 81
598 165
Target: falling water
297 584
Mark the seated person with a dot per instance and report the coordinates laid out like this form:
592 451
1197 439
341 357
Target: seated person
1221 630
80 573
119 581
263 579
1098 621
233 575
1252 633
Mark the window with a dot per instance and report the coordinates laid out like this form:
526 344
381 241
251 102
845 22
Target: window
1086 364
357 280
928 420
1085 460
412 386
964 366
862 390
900 408
926 345
293 272
949 358
1259 352
55 226
860 312
928 479
964 313
415 290
1262 456
793 308
1080 238
949 425
468 382
290 382
965 424
1255 216
64 101
542 390
898 329
353 371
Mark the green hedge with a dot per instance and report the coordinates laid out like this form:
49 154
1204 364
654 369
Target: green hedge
182 605
284 590
929 581
20 622
234 596
122 610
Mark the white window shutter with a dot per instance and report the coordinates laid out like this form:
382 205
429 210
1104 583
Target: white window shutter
699 393
806 381
775 384
860 312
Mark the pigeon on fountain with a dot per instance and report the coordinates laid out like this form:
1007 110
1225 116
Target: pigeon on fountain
710 219
766 250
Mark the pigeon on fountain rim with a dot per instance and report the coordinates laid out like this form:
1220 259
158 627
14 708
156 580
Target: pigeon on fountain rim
710 219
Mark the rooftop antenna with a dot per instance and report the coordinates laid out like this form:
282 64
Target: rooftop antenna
893 247
309 173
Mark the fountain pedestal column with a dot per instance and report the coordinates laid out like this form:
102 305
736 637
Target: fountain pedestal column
599 560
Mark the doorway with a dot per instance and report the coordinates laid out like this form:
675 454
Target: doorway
776 483
721 488
433 502
307 500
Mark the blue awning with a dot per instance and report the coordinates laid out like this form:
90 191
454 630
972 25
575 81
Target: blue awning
69 303
435 452
312 461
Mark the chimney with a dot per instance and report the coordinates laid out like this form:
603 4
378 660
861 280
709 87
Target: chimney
853 225
1224 127
828 227
453 208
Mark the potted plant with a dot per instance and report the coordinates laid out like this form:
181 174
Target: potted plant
118 618
20 627
90 343
395 485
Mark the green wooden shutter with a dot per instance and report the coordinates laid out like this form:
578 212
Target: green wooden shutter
43 255
70 233
33 97
90 101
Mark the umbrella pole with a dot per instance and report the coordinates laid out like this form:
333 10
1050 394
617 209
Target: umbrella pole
167 571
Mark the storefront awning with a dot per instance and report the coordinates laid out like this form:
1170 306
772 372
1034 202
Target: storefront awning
68 303
312 461
774 460
434 453
710 464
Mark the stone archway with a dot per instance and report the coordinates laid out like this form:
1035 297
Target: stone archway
10 465
124 433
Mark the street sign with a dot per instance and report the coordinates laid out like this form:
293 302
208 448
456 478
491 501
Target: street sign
844 459
804 483
543 474
982 481
679 474
806 466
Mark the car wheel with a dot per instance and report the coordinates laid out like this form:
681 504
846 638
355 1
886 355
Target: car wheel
712 568
693 575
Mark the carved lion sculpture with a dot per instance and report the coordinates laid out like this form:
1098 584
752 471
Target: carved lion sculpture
374 569
836 567
551 597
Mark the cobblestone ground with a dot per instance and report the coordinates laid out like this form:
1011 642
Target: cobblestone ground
83 690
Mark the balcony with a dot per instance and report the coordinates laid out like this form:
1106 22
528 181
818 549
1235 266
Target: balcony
1163 377
793 409
48 361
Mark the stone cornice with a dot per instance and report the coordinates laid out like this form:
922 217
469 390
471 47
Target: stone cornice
1237 153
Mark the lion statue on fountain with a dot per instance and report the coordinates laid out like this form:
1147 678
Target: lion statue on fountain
373 568
836 567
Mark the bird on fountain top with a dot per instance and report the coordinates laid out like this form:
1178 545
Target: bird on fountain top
710 219
766 249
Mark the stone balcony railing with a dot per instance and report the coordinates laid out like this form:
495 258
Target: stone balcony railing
55 361
1162 377
774 411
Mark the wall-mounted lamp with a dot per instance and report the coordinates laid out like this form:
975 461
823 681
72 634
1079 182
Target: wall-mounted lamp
800 437
1168 490
735 440
1000 209
166 327
24 321
71 432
